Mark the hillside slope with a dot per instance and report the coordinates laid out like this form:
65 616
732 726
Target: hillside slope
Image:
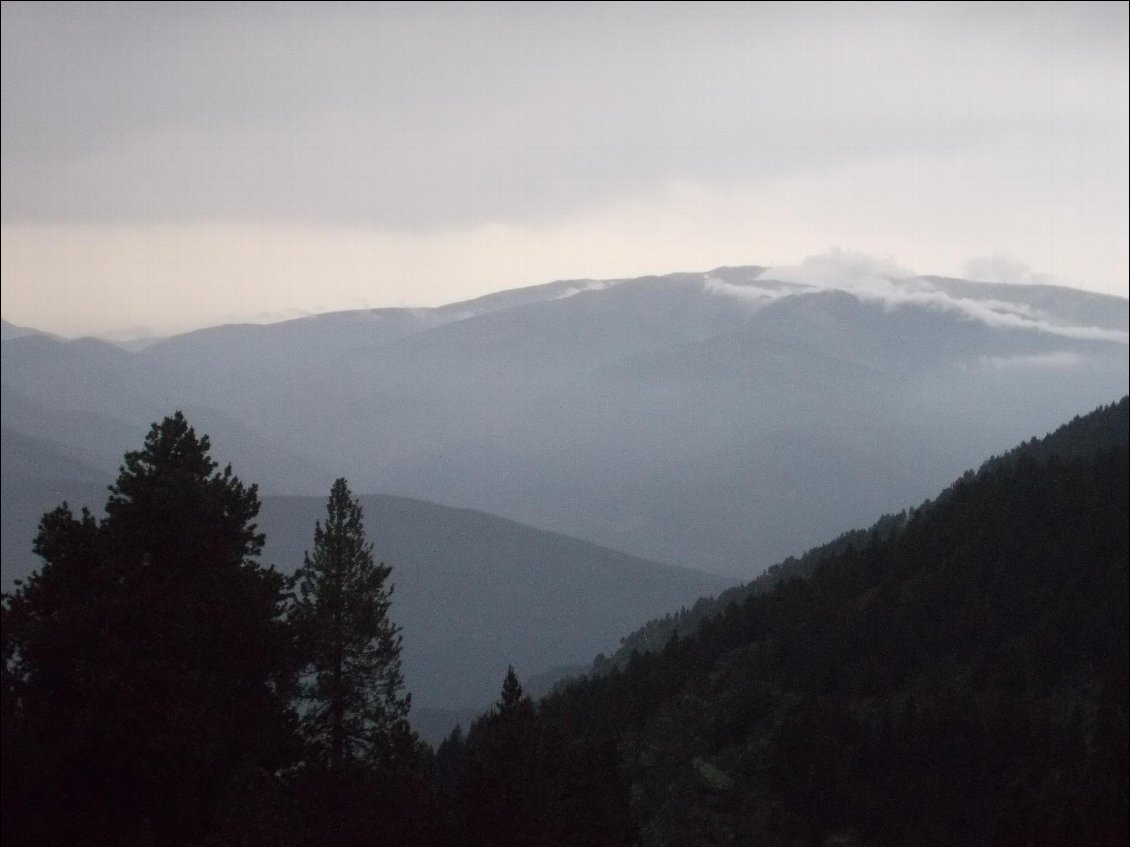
1083 436
963 680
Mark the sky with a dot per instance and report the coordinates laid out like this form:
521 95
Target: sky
171 166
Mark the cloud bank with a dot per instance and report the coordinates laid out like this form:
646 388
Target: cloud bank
432 117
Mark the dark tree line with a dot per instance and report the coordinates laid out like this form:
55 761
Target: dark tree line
956 676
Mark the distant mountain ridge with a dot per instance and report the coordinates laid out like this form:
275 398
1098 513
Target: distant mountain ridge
694 418
9 331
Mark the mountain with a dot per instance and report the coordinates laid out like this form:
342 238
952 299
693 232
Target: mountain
38 475
693 418
98 434
10 331
961 679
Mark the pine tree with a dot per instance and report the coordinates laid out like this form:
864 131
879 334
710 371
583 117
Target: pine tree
353 705
148 657
514 700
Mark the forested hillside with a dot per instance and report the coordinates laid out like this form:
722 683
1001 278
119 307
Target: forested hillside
1085 435
962 680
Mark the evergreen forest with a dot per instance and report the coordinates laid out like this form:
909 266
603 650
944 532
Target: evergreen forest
955 674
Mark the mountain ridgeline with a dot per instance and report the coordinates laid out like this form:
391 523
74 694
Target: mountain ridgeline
696 418
958 676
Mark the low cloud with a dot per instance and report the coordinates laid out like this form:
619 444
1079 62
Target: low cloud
591 285
845 270
995 313
998 268
884 281
755 295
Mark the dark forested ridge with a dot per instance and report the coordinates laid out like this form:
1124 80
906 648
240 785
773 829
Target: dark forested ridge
962 680
1085 435
955 675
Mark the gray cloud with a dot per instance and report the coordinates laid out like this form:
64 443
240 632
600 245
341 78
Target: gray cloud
435 116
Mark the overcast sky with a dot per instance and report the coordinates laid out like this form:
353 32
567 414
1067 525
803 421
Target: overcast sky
171 166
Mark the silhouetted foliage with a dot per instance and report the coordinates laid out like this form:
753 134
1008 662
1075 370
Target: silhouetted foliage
523 782
367 778
353 703
147 665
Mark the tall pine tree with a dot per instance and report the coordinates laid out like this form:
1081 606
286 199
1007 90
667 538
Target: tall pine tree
354 709
147 661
